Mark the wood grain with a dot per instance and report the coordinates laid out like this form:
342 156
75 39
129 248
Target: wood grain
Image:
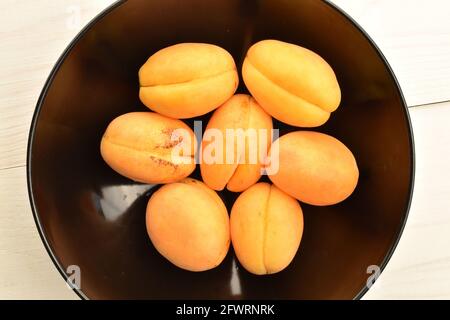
413 34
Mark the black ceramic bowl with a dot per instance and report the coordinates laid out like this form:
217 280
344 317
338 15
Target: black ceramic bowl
91 217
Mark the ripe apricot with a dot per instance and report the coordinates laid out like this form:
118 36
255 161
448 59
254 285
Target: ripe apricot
314 168
293 84
148 147
189 225
266 228
235 144
187 80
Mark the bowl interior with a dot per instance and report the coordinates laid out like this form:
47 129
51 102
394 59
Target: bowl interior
94 218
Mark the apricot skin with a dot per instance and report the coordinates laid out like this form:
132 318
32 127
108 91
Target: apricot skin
314 168
293 84
187 80
266 229
239 112
189 225
140 146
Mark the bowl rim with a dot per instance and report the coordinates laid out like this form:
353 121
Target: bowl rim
117 4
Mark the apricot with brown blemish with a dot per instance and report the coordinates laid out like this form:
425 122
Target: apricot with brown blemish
148 147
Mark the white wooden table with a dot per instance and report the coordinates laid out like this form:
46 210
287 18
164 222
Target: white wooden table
413 34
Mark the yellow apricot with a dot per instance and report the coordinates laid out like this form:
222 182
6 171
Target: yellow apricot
234 157
313 167
187 80
293 84
148 147
188 224
266 228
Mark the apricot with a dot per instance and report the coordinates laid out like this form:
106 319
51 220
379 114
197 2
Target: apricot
188 224
235 144
293 84
148 147
187 80
313 167
266 228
